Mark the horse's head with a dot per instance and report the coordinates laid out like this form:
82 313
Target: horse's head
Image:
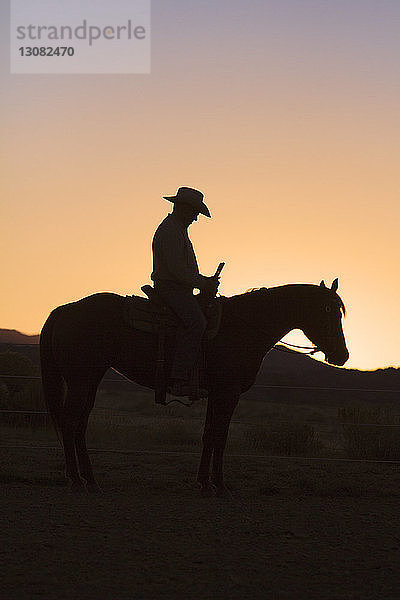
324 324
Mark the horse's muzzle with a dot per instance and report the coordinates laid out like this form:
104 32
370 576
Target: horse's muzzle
337 358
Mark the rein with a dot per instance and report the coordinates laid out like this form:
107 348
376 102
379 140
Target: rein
312 349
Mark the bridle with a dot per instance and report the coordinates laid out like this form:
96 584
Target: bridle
313 349
310 349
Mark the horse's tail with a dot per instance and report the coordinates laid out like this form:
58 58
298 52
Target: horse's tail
53 383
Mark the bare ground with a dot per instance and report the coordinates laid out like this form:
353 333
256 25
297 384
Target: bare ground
292 529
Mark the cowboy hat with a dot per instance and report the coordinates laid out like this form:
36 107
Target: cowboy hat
190 196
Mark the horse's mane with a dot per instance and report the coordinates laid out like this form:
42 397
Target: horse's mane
262 292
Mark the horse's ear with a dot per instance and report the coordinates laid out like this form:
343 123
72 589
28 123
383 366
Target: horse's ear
335 285
322 284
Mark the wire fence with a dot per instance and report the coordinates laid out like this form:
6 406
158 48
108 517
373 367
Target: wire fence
256 385
128 413
283 387
41 418
230 454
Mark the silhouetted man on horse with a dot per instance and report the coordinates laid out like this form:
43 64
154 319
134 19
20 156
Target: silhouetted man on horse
175 275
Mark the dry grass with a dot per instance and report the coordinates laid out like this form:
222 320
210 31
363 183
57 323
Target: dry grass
127 421
141 432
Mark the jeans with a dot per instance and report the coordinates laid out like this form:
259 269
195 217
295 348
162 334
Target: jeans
193 324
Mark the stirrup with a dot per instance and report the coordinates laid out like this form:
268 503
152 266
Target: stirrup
185 391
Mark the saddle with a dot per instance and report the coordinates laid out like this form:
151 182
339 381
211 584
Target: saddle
151 314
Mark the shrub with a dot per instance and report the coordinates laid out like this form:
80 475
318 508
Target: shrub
4 395
287 439
370 433
15 393
14 364
30 397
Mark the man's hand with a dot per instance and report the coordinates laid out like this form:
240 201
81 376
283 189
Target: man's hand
211 286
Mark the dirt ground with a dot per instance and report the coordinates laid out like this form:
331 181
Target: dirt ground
292 529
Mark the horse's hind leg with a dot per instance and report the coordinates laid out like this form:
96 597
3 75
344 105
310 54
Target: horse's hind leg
75 398
85 466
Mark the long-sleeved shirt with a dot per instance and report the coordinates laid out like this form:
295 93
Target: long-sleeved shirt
173 255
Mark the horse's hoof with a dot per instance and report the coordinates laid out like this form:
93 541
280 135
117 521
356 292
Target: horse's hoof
94 488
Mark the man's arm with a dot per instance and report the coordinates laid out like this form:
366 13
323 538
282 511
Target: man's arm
174 252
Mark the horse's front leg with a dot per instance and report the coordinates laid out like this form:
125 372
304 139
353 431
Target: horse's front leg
203 476
224 406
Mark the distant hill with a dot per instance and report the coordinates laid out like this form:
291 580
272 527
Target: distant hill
281 377
290 369
12 336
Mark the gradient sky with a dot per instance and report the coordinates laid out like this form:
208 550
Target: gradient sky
285 113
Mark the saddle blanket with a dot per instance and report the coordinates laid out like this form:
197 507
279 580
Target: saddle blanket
141 313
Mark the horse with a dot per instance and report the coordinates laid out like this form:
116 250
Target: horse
81 340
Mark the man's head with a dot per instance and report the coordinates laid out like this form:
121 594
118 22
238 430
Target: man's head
185 213
192 202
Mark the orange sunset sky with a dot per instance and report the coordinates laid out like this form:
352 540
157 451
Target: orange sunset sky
284 113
